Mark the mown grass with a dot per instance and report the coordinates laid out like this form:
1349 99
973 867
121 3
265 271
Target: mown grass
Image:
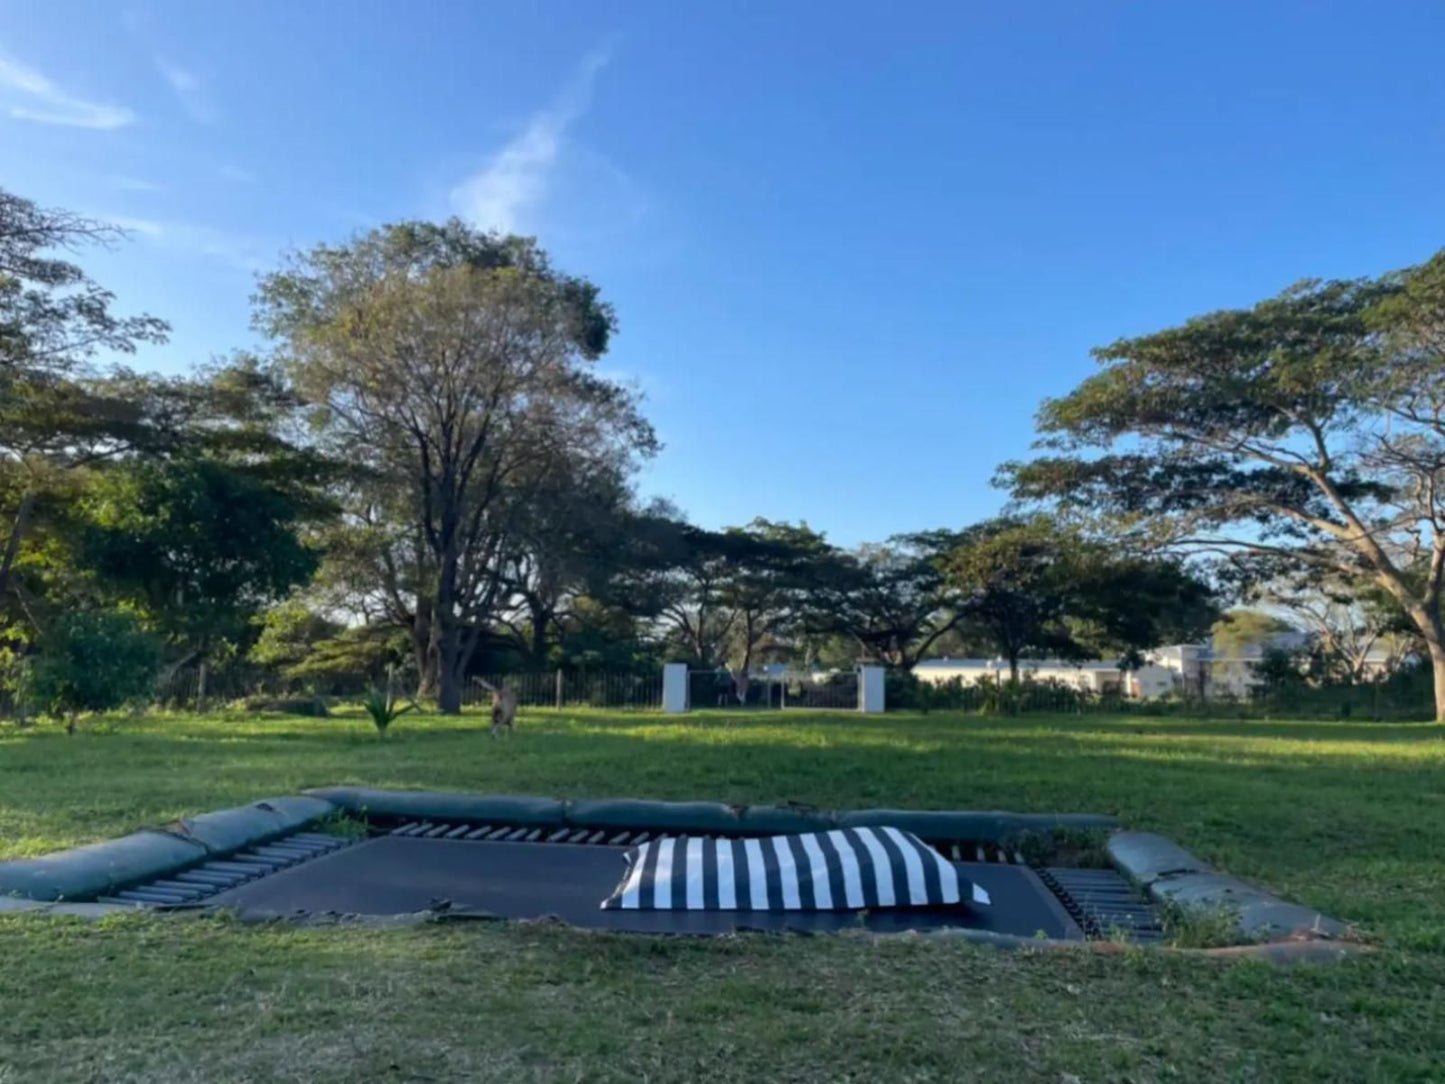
1346 817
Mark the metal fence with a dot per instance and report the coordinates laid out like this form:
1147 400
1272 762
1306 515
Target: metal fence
571 689
804 690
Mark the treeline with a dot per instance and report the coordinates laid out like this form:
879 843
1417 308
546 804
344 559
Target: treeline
425 476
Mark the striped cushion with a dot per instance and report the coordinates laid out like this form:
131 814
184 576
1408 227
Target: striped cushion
846 870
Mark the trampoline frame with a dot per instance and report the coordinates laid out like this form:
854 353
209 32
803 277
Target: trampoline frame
201 862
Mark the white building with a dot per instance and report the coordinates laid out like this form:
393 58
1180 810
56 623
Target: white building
1098 677
1192 670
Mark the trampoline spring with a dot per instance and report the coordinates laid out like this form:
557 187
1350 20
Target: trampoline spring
300 854
280 854
596 837
498 833
151 895
558 835
253 860
410 828
620 837
439 830
283 846
459 830
532 836
514 834
179 887
478 833
266 862
311 846
230 867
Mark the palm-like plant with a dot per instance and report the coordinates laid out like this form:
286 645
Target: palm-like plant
383 709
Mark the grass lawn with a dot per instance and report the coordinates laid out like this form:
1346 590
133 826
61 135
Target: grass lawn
1346 817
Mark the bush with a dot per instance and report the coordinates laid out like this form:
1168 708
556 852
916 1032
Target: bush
312 707
92 660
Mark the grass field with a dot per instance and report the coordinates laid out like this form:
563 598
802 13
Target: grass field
1346 817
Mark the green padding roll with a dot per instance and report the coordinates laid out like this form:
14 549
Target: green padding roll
656 816
86 872
784 820
232 829
984 826
429 805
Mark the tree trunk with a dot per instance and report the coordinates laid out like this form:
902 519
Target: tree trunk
447 636
12 545
1013 668
1437 663
1432 630
540 622
428 680
426 659
449 666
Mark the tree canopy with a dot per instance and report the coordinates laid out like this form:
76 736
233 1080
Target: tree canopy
1035 586
55 411
453 367
1304 433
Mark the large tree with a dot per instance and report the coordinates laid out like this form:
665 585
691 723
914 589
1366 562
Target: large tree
195 525
565 545
893 600
1305 433
695 582
770 591
455 367
55 412
1035 586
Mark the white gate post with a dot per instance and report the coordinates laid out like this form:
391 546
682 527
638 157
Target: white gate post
674 688
870 690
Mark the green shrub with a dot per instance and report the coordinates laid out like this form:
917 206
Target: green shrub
92 660
310 706
382 707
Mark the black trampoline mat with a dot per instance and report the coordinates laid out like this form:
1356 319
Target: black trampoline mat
394 875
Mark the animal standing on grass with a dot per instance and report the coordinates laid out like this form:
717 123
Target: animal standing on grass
504 707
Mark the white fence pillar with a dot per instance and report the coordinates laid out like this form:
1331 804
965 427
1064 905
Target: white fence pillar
870 690
674 688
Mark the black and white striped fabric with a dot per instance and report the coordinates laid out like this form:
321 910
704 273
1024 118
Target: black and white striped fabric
846 870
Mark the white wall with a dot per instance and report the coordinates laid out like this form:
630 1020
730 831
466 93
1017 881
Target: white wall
871 690
674 688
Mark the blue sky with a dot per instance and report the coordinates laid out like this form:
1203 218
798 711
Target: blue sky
851 245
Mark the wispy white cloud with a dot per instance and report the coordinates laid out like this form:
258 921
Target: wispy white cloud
511 186
236 175
133 184
35 98
239 251
190 91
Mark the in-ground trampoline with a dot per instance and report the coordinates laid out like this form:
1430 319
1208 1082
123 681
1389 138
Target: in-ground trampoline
486 856
567 881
